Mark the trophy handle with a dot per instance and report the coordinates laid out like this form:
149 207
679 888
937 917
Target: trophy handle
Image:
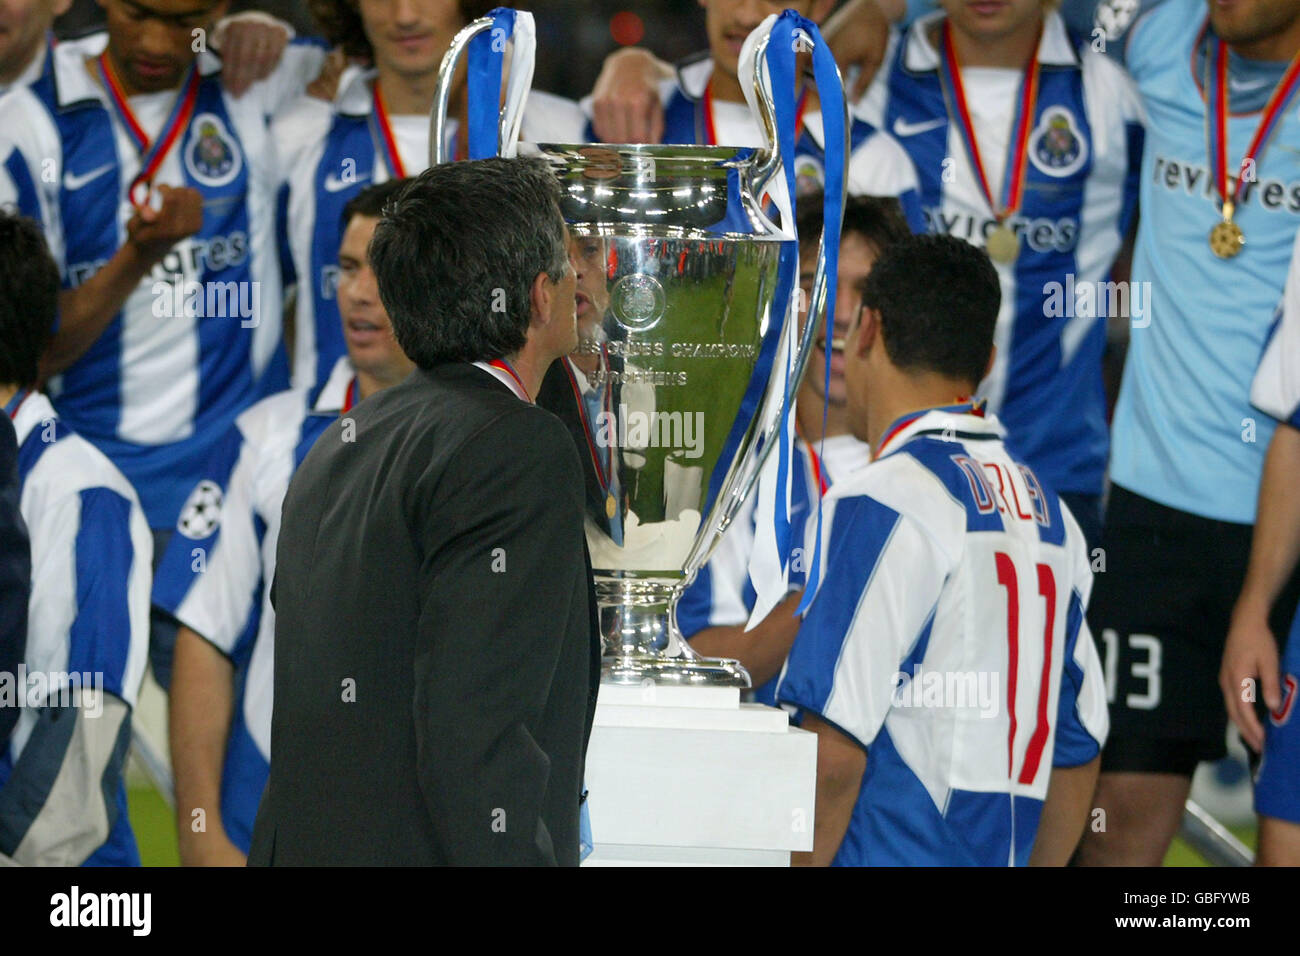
521 77
764 172
769 416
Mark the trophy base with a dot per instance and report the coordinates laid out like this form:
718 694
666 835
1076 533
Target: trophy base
675 671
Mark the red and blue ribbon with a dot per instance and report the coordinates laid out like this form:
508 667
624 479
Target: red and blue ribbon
1013 180
1216 97
152 154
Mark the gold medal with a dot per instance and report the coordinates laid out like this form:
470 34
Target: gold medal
610 506
1226 238
1002 244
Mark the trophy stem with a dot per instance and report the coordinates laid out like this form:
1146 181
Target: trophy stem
642 642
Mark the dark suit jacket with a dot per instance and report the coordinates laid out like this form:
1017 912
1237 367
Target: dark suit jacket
15 570
436 653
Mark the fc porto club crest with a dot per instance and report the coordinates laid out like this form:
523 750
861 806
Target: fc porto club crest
1056 146
211 154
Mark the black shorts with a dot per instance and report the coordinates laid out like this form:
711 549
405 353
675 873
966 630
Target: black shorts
1159 615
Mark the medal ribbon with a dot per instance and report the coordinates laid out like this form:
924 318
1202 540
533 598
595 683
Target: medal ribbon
710 131
16 402
814 459
1013 181
153 153
603 471
1217 95
382 133
504 366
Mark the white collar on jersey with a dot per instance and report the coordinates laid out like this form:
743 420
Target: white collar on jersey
1054 49
335 392
353 97
941 421
74 83
35 411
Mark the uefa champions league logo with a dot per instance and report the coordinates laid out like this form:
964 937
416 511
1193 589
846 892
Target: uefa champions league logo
638 302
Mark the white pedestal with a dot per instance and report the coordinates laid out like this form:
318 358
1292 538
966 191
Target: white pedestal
684 776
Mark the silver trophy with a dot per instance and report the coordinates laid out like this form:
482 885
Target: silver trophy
671 395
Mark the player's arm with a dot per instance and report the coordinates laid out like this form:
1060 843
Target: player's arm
505 559
208 585
60 802
763 650
1065 813
1251 651
840 766
199 710
858 34
1082 719
84 312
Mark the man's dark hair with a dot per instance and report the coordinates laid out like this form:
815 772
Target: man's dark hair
456 252
938 299
29 297
371 201
340 22
877 219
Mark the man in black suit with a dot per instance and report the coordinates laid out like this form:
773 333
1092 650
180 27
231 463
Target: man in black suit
436 653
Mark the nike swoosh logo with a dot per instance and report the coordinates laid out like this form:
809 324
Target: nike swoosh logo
333 184
72 182
903 128
1240 87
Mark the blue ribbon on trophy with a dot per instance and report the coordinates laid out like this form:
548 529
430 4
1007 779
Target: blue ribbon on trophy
485 66
788 35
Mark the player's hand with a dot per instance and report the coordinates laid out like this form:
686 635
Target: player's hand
625 106
251 45
1250 659
326 84
152 232
857 34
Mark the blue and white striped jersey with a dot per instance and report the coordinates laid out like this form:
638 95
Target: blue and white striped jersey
216 572
722 594
328 154
1276 389
1080 191
62 795
1185 395
878 165
948 640
191 346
